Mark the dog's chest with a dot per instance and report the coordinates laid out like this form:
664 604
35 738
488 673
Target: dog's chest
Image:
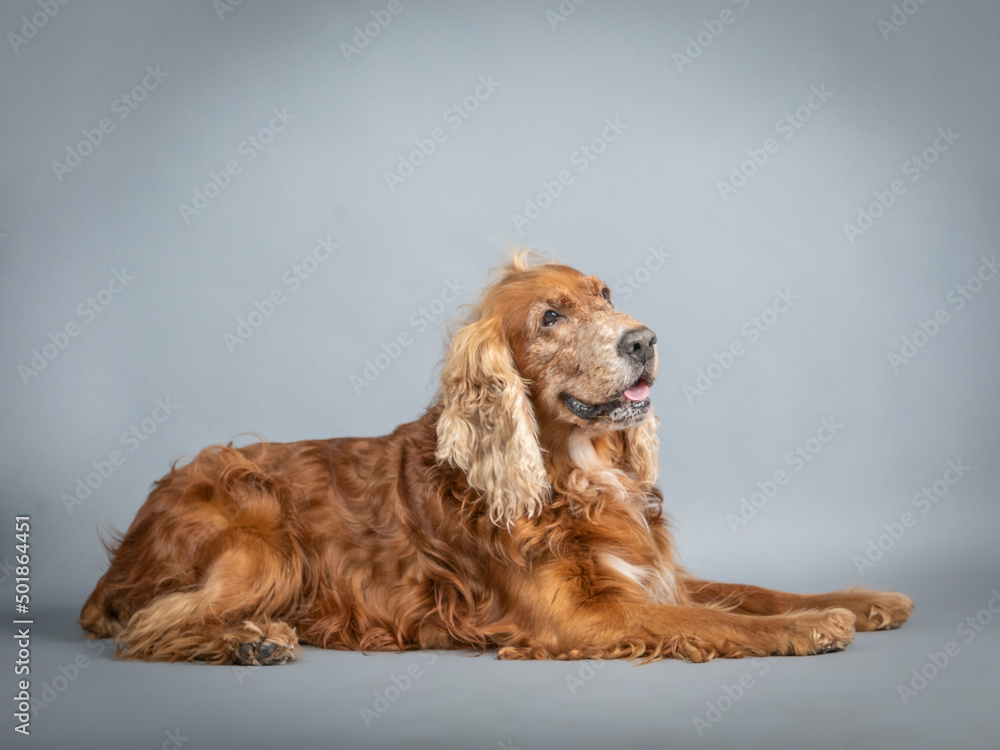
636 557
657 580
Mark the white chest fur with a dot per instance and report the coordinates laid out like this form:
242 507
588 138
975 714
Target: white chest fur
657 580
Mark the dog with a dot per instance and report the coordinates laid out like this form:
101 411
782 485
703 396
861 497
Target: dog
519 514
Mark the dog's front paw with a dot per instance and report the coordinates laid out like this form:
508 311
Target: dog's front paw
884 610
821 632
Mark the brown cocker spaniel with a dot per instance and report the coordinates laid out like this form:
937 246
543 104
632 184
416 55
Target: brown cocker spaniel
519 513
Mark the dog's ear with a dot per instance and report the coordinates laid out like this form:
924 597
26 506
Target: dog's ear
487 426
639 451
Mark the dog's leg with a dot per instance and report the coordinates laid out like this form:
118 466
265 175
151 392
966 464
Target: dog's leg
232 617
612 630
208 569
180 627
874 610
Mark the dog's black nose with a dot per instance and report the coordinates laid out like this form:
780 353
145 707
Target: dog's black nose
638 345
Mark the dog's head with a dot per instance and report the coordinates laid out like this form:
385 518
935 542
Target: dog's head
543 356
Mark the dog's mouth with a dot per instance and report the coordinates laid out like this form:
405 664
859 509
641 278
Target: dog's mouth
632 403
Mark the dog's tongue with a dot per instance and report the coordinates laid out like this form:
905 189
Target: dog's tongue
637 392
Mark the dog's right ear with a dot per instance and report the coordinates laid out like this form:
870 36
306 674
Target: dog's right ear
487 426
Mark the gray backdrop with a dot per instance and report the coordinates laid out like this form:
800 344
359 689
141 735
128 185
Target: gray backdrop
219 218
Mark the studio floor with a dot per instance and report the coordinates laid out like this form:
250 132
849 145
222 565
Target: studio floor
852 699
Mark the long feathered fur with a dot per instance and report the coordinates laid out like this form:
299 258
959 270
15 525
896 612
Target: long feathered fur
498 520
487 425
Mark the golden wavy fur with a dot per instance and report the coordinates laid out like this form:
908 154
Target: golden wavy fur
519 513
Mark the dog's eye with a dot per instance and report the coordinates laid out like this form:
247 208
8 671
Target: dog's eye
606 293
550 317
